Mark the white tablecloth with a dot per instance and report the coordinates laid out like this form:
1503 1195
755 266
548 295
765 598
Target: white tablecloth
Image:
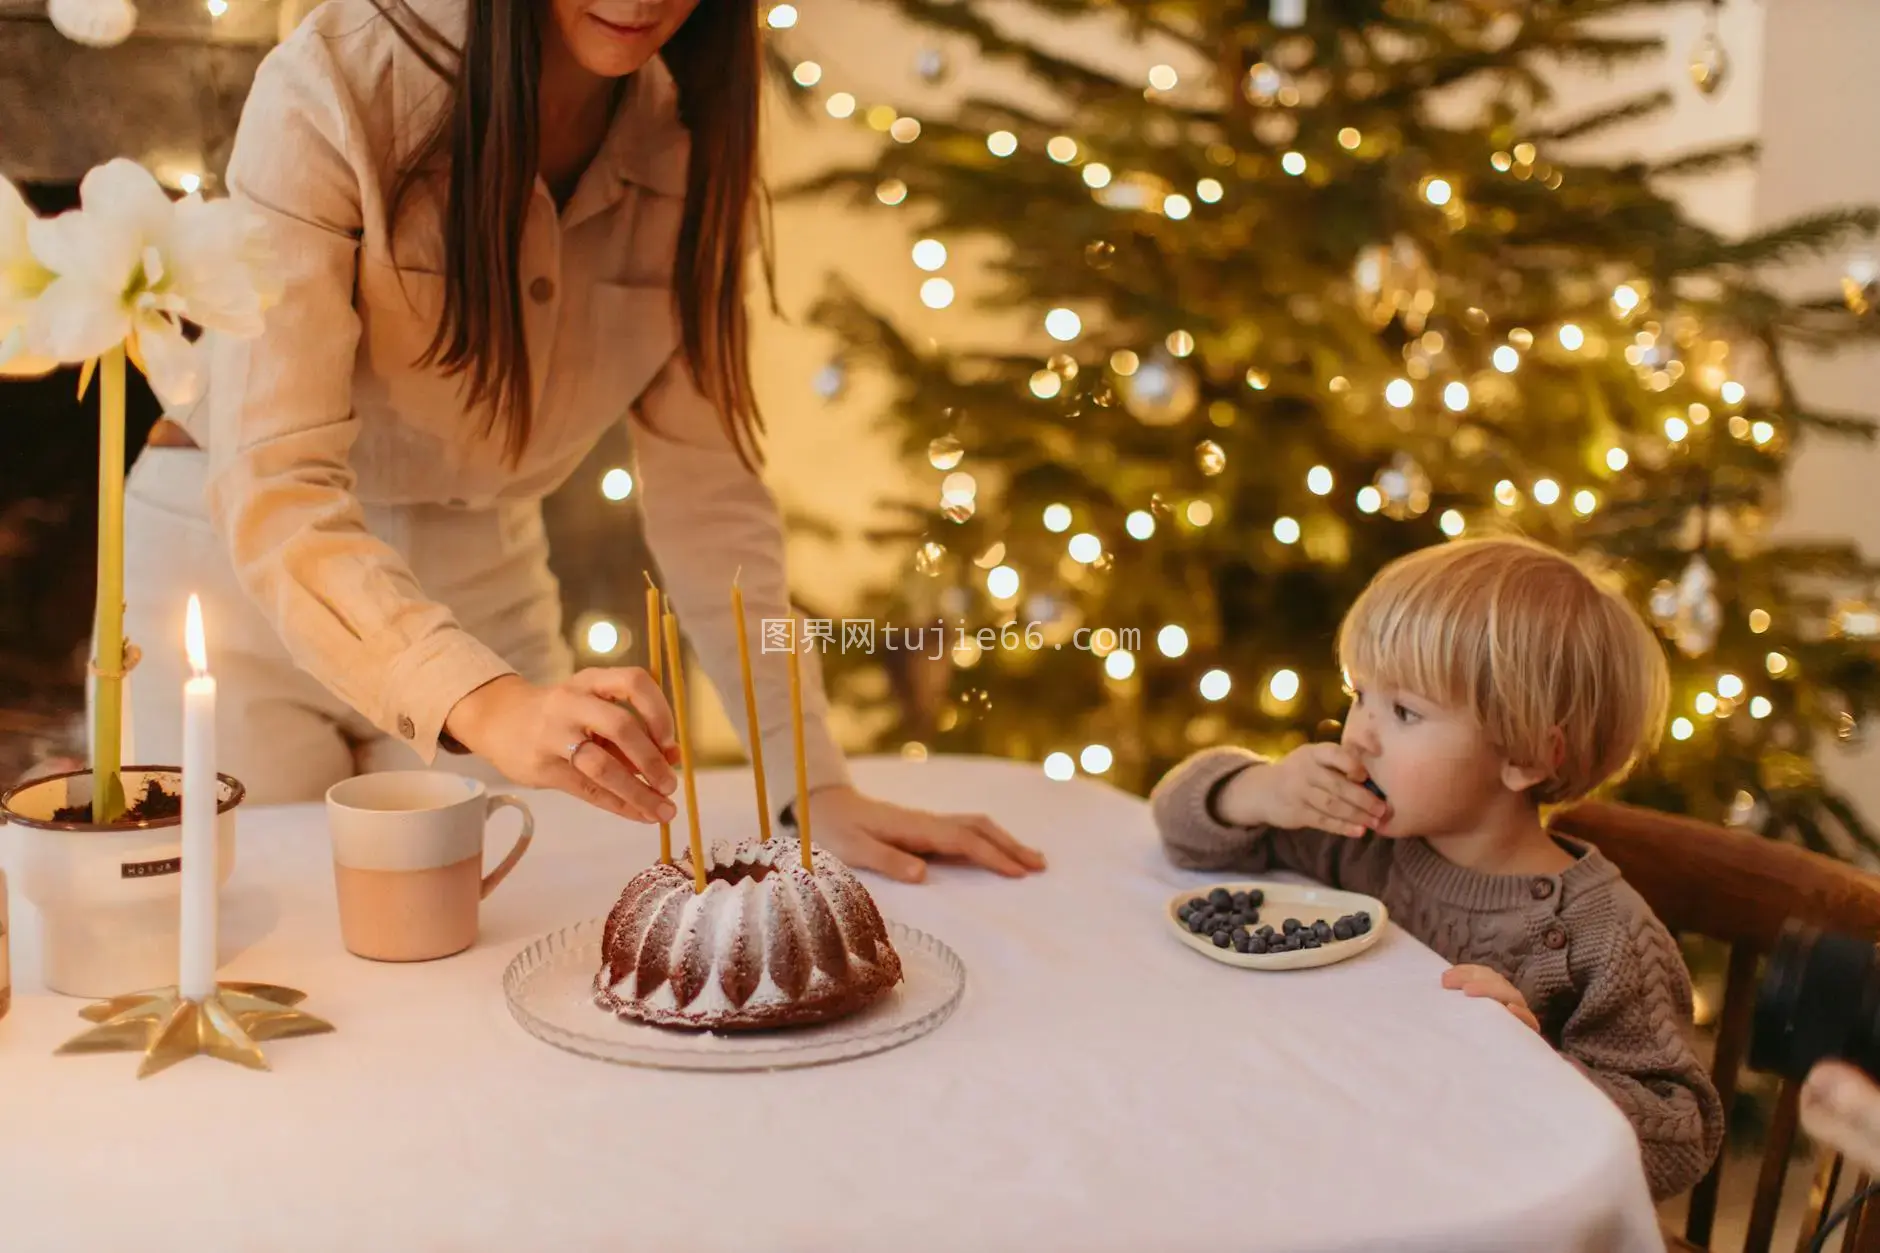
1100 1087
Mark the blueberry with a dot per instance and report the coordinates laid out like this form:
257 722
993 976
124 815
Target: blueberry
1238 899
1195 902
1255 897
1253 917
1362 916
1197 923
1294 943
1256 944
1219 898
1222 939
1322 929
1239 934
1183 913
1341 930
1241 942
1311 941
1290 925
1265 932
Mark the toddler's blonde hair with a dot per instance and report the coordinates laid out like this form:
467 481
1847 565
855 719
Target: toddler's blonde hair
1524 638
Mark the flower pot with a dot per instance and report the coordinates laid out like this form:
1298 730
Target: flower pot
108 896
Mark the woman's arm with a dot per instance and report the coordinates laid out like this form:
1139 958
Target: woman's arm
709 519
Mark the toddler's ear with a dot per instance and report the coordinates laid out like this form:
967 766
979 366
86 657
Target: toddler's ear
1519 778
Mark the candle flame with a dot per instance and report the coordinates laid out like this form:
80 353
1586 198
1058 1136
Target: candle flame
193 639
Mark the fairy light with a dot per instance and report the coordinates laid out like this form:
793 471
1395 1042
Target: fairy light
937 293
1676 429
1046 384
1349 139
1399 393
1215 685
1171 640
1507 495
1681 728
1319 480
1257 379
1584 502
1284 685
1777 664
1002 582
1617 458
1700 413
1572 338
1729 686
1294 163
1059 768
1731 393
1180 343
891 191
1705 704
1096 175
1199 513
782 17
1625 298
1546 491
1057 518
807 74
1370 500
1085 548
1452 523
616 484
1062 149
1063 325
1120 664
217 7
904 130
1095 759
1140 524
1456 396
1760 707
840 105
1506 359
1002 143
1176 207
930 254
1438 191
1210 191
1762 432
1758 621
191 183
1124 362
1163 77
603 638
1286 530
959 486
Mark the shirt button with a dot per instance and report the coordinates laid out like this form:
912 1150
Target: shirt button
542 290
1555 937
1542 889
406 727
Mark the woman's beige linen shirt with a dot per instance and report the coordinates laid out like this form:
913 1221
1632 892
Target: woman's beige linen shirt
328 410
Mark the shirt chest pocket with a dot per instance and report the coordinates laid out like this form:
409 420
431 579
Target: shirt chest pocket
613 349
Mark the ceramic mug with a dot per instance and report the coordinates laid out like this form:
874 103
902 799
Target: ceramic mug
408 861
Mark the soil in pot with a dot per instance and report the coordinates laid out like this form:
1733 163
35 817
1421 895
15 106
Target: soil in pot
154 805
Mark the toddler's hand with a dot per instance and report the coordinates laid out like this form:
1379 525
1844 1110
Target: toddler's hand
1315 785
1481 981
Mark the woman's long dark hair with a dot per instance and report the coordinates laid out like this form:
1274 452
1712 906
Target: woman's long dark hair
487 138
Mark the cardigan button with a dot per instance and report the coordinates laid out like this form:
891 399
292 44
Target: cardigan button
542 290
1555 937
406 727
1542 888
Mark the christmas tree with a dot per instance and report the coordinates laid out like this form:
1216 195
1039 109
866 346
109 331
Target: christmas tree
1292 319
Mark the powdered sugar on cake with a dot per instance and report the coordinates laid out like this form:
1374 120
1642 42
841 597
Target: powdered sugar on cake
767 944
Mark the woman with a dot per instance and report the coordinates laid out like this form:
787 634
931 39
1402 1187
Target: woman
500 223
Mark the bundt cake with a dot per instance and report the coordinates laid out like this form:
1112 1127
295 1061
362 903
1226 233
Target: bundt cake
767 944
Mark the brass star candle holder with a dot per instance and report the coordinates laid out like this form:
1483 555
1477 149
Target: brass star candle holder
167 1027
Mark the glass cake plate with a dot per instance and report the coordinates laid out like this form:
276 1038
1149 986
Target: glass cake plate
550 988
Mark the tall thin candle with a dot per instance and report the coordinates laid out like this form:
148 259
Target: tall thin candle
796 736
750 712
685 752
196 954
653 630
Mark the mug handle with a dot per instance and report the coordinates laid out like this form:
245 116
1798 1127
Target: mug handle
491 805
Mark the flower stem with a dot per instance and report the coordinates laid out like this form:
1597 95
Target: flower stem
107 735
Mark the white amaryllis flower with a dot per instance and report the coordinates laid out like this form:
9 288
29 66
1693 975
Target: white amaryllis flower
22 278
130 266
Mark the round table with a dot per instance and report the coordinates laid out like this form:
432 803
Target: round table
1100 1086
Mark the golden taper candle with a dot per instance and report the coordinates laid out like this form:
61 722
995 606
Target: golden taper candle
653 667
685 752
796 737
750 713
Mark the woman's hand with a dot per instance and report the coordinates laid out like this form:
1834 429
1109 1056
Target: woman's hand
1841 1108
1481 981
879 835
1316 785
576 737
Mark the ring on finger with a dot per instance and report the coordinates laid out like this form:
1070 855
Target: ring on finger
573 749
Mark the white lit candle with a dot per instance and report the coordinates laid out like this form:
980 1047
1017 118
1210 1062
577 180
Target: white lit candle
196 961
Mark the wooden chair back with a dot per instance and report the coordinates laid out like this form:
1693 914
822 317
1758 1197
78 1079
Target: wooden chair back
1738 887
